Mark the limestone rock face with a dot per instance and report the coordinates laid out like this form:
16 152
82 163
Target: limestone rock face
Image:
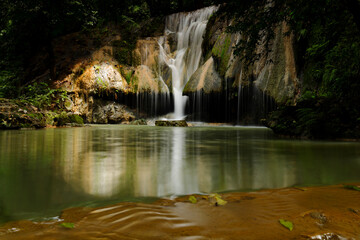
147 82
275 74
147 51
100 77
205 79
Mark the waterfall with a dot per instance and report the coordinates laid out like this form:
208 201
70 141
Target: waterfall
187 30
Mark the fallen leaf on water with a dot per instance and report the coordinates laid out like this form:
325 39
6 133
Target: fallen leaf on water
192 199
67 225
218 200
289 225
352 187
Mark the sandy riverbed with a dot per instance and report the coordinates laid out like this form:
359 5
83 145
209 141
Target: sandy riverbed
331 212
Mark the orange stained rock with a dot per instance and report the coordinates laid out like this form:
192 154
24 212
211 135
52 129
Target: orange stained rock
331 212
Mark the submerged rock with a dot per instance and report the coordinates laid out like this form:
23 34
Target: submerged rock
171 123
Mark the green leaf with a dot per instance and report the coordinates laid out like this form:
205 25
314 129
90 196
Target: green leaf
219 200
192 199
289 225
352 187
67 225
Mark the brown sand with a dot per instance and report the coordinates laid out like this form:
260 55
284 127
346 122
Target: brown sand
331 212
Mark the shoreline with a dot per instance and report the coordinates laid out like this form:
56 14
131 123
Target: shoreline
322 212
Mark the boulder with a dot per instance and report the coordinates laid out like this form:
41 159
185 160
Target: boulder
111 112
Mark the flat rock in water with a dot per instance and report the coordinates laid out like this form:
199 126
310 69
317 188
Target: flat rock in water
171 123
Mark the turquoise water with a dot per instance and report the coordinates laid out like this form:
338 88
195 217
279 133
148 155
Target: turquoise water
44 171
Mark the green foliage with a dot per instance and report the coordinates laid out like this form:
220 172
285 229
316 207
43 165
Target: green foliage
221 51
76 119
317 116
42 96
62 119
193 199
289 225
123 51
128 77
8 80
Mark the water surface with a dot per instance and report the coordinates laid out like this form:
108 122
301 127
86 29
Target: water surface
44 171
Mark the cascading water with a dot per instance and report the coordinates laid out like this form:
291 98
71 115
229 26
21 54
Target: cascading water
187 29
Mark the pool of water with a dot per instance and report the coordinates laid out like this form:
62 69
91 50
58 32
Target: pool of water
45 171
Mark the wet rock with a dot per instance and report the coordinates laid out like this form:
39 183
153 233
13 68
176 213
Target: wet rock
138 122
171 123
322 219
111 112
68 119
327 236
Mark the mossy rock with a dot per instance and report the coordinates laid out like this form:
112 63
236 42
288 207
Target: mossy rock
64 119
221 53
139 122
171 123
16 121
74 118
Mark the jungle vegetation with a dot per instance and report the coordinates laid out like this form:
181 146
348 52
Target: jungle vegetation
327 47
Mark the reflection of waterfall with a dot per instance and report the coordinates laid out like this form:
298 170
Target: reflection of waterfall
189 29
144 162
177 177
